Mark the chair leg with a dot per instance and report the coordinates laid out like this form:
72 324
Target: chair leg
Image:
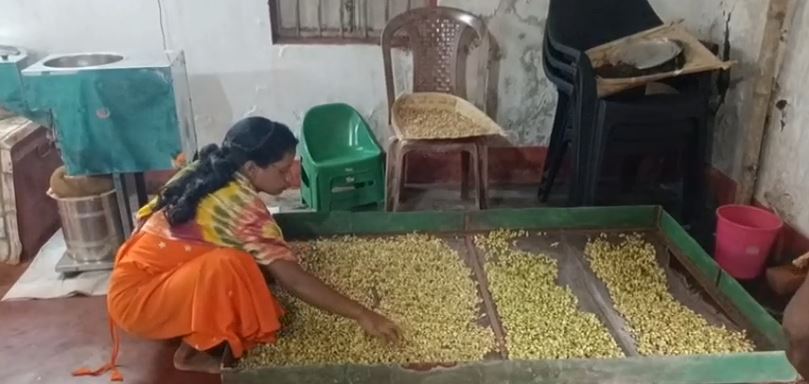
474 157
554 163
405 172
600 135
579 147
694 183
393 176
555 146
398 177
483 180
574 184
580 143
465 177
390 157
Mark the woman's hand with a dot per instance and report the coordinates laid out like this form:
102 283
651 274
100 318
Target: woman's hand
379 326
310 289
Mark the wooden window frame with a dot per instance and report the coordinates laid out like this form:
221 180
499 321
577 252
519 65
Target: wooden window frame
279 37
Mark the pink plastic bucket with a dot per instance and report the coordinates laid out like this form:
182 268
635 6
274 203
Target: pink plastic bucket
744 238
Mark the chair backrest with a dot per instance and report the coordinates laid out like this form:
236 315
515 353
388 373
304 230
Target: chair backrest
584 24
331 130
561 74
440 39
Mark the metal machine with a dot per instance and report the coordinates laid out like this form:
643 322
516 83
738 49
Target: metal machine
111 114
115 114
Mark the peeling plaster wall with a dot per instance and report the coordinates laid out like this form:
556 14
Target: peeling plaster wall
236 71
784 179
527 100
738 24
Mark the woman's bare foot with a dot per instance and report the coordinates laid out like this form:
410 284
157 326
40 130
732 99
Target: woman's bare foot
189 359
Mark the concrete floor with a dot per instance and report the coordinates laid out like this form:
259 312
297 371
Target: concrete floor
42 341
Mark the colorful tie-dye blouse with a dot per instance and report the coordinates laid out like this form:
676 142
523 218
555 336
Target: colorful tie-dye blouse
233 216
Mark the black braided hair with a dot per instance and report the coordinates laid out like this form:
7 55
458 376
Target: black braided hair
255 139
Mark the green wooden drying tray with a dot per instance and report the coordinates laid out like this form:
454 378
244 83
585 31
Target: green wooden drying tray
768 365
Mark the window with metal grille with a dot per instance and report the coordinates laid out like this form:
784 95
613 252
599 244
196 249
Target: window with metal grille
334 21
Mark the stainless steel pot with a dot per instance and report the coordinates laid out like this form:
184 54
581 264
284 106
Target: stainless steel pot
91 226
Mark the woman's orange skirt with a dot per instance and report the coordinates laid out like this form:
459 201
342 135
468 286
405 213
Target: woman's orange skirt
207 295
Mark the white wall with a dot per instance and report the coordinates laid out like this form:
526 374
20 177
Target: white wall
236 71
233 67
57 26
784 178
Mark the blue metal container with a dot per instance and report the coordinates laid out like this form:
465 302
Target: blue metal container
113 113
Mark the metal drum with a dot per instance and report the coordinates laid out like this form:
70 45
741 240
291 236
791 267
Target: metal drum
91 226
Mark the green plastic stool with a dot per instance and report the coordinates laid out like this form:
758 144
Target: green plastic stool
342 165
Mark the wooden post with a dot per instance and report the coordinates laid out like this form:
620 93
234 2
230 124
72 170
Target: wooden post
779 19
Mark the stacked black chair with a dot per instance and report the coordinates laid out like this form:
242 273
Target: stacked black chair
632 122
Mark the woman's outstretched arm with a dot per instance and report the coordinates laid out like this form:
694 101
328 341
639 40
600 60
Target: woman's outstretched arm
315 292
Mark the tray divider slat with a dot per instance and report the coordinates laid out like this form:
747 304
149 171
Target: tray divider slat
475 261
615 323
